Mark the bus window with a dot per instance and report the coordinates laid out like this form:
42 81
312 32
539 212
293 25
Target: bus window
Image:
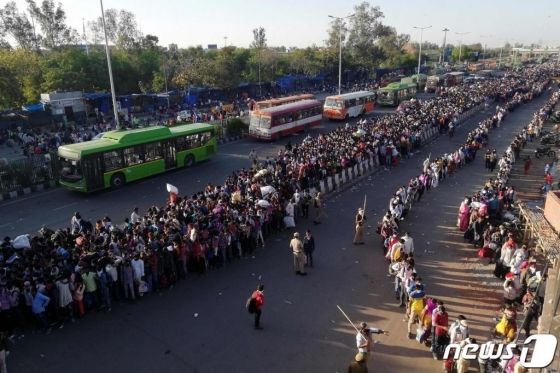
277 121
132 156
255 120
205 137
152 151
113 160
359 102
182 144
265 122
336 104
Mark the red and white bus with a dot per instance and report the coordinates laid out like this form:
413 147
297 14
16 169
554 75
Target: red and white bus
282 101
349 105
276 122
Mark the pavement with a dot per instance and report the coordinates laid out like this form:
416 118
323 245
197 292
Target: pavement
201 325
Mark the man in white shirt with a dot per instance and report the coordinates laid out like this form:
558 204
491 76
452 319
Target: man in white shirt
297 210
138 267
134 217
364 342
408 245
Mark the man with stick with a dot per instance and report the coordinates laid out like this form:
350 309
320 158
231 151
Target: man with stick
364 342
360 217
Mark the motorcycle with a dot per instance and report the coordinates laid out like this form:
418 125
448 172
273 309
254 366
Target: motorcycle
551 139
540 152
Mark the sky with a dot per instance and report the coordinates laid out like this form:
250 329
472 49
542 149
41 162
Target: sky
301 23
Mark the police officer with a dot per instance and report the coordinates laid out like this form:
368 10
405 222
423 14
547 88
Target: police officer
359 236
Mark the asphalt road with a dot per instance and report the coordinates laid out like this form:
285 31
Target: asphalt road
303 329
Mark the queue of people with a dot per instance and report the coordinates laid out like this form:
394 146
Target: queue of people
427 317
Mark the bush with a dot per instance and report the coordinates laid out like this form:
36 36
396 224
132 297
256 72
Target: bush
236 127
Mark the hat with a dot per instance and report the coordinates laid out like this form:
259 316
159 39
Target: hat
464 323
359 357
296 234
27 283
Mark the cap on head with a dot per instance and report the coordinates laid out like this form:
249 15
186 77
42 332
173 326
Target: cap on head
359 357
296 235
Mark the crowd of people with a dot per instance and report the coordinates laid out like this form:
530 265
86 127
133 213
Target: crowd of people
60 274
427 317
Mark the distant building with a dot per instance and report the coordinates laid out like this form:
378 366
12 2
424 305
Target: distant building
212 47
69 104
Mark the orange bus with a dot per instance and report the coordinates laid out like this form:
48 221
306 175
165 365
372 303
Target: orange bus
276 122
282 101
349 105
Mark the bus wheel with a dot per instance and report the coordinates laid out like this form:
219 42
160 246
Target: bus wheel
306 128
117 181
189 160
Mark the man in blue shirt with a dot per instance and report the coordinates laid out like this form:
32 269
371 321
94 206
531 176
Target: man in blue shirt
38 306
412 287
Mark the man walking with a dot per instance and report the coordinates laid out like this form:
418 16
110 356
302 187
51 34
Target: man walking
306 201
299 259
318 209
359 236
259 303
309 247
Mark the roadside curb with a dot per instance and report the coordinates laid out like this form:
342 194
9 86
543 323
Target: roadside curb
25 191
231 139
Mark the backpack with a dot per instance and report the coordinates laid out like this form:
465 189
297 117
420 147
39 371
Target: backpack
251 305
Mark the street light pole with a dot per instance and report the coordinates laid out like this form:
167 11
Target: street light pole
165 77
500 59
485 36
340 51
420 52
113 95
444 41
461 44
225 41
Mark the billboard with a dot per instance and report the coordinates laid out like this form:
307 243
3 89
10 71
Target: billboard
212 46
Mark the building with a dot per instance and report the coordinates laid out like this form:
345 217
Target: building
69 105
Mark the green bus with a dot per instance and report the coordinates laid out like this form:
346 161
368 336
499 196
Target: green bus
395 93
127 155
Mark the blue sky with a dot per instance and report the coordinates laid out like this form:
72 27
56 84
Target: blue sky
301 23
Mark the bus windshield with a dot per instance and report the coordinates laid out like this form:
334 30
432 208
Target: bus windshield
334 103
70 169
265 122
255 120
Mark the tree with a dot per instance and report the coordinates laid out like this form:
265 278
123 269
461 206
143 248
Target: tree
259 38
149 42
465 51
365 31
392 46
16 24
52 20
95 34
122 28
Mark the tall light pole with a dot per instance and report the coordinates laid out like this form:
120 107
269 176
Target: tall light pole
420 52
444 41
500 59
113 95
461 44
485 37
225 41
165 76
340 50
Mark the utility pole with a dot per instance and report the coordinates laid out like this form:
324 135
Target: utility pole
165 77
340 50
85 39
485 37
461 44
444 44
225 41
420 52
113 94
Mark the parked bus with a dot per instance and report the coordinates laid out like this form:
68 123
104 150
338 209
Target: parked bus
127 155
349 105
419 79
276 122
395 93
433 83
283 101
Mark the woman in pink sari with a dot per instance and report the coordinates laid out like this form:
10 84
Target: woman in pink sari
464 215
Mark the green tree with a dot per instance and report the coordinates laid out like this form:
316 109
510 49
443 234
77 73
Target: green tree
17 25
15 67
53 24
122 29
366 29
465 52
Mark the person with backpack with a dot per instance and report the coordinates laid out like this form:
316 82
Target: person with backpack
255 305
